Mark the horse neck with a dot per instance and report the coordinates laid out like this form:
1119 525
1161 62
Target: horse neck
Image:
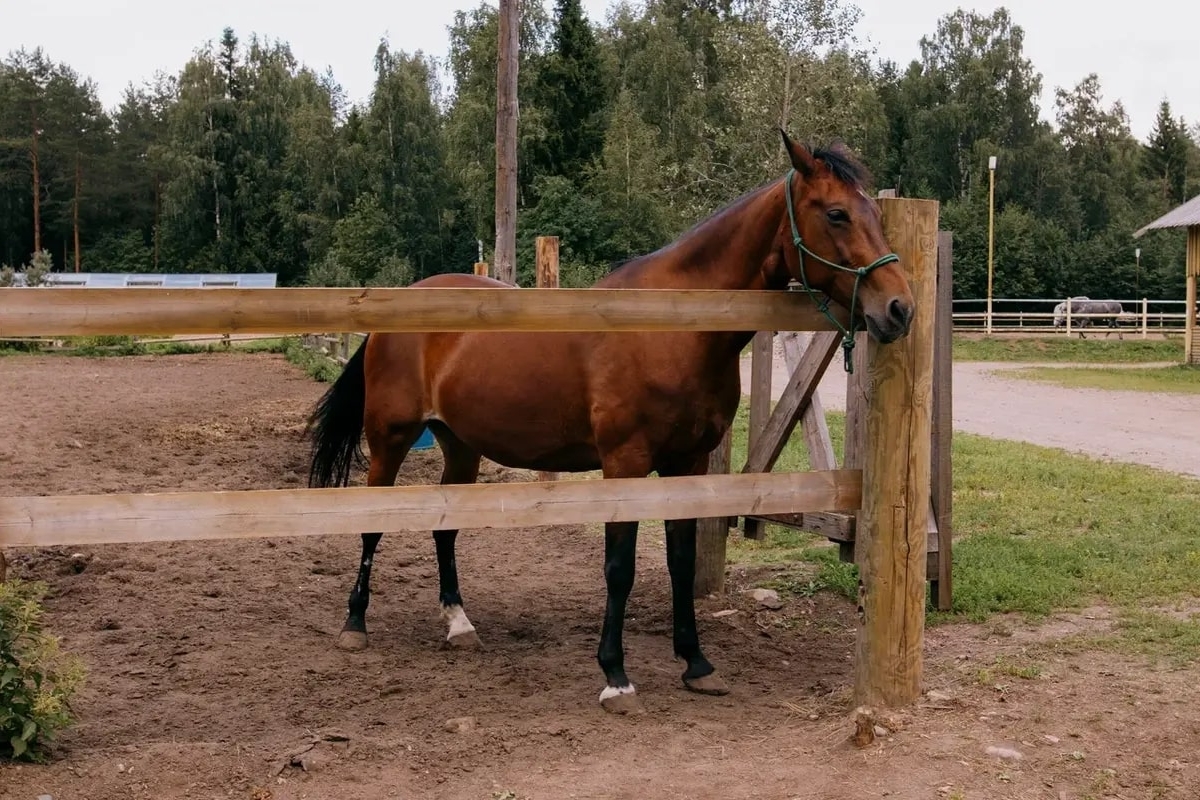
732 250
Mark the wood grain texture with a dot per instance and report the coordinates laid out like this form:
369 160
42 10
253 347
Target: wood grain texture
507 111
150 311
546 267
891 534
1191 337
795 397
712 532
481 268
761 368
941 472
42 521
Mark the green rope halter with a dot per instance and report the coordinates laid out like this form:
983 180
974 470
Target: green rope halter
859 274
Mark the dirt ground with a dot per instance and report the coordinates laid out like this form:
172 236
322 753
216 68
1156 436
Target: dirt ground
212 666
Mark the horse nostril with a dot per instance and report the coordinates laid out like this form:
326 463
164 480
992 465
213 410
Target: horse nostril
900 312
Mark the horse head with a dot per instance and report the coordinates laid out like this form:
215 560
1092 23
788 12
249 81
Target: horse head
834 240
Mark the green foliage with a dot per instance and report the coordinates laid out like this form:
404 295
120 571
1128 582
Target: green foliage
37 680
631 129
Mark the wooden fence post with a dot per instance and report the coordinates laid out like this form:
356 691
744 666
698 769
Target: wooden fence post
481 268
891 538
547 278
711 533
942 476
761 367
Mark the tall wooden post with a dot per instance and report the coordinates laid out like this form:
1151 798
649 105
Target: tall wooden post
942 475
547 278
1191 338
762 362
711 533
891 535
506 143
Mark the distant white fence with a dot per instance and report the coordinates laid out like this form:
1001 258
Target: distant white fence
1036 315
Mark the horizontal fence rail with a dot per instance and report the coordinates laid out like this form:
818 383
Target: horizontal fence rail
1026 315
45 521
155 311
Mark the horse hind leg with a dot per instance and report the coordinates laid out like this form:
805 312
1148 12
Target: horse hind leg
699 675
461 465
386 459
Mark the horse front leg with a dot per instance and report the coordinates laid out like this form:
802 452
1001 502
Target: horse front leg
620 554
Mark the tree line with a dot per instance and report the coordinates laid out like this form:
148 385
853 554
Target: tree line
631 130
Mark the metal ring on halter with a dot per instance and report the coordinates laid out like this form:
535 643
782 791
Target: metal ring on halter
859 274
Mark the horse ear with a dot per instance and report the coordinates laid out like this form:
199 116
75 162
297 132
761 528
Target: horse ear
799 155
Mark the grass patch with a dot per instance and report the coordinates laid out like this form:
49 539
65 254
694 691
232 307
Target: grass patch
1037 529
1178 379
317 366
120 346
1060 348
1153 635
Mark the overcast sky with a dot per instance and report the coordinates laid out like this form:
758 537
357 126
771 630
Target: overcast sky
1140 58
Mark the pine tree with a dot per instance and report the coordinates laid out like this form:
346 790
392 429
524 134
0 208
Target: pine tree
1166 155
573 92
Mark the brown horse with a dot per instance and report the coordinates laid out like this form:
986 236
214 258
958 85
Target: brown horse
627 403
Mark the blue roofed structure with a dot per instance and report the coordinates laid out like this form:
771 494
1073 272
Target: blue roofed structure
119 280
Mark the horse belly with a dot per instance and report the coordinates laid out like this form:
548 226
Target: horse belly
520 400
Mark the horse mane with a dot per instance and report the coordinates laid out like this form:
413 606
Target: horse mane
836 156
844 165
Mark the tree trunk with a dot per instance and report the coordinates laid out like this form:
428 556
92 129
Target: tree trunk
506 143
75 209
157 213
37 188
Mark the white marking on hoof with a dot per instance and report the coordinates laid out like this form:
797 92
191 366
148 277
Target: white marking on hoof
457 620
610 692
621 700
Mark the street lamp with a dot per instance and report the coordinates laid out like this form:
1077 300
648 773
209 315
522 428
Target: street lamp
1137 269
991 230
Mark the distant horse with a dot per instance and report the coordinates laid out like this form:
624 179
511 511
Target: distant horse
627 403
1084 305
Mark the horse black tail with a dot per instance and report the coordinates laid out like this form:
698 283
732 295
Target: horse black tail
336 426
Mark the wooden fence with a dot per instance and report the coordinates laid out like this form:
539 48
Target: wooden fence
889 487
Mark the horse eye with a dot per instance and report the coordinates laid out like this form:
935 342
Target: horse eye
837 216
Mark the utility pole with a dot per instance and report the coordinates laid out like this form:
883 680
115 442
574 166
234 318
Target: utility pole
991 228
506 143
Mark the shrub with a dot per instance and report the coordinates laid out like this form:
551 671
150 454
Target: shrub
37 679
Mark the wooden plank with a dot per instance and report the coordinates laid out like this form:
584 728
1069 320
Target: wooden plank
762 358
835 527
182 516
148 311
712 532
941 471
813 424
795 397
891 547
546 264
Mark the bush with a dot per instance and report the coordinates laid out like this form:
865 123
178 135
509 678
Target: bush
37 679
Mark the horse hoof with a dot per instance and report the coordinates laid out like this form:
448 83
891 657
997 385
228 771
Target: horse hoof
467 640
352 641
710 684
622 700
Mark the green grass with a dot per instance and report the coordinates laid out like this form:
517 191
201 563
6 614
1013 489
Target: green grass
1037 530
117 346
1178 379
1061 348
